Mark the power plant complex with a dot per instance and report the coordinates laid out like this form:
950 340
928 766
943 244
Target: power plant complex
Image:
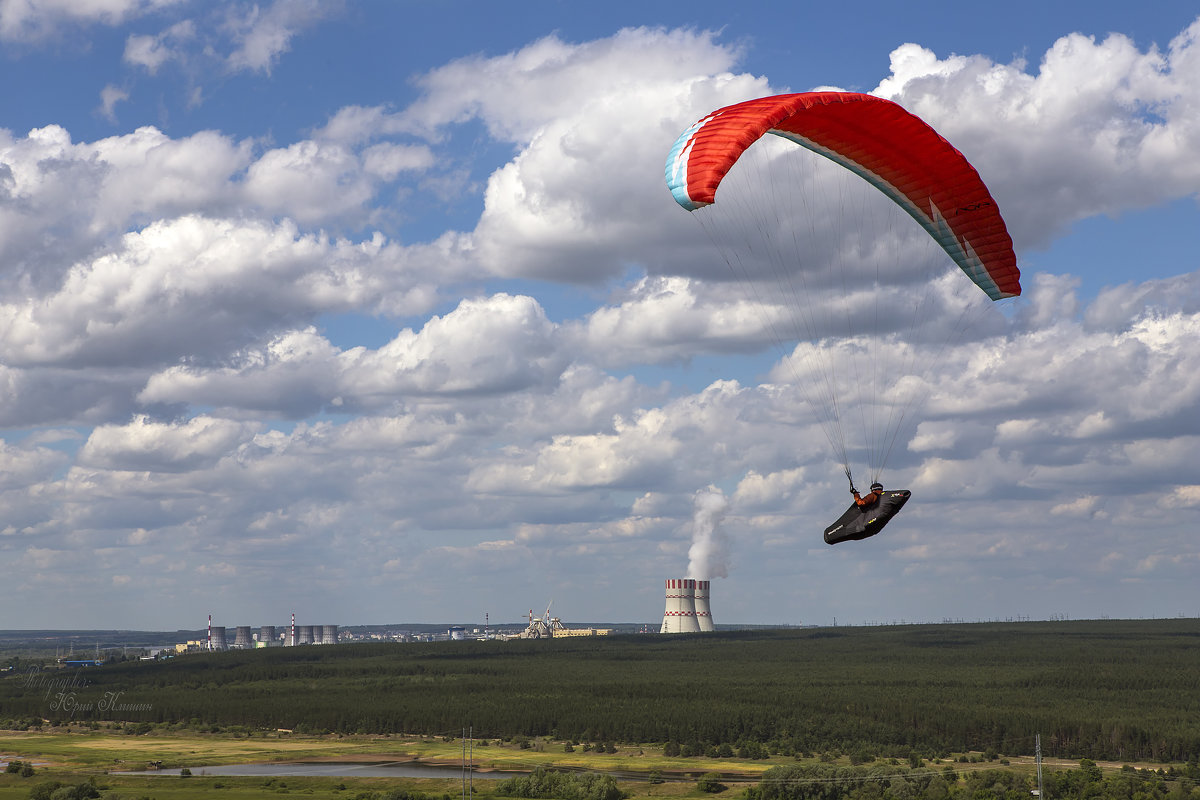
267 636
687 609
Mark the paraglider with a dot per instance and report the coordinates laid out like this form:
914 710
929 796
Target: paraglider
921 173
861 522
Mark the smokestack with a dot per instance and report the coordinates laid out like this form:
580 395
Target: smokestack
703 613
292 637
210 631
680 613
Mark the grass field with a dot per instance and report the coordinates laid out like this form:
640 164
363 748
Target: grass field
105 750
76 756
101 751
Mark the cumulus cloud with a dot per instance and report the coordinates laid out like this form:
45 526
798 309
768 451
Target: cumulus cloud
1100 127
756 489
584 194
162 447
661 319
72 198
497 345
191 287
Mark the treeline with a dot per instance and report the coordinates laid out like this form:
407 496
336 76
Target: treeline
1105 690
546 783
827 782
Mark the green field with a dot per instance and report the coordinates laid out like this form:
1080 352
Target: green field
103 750
75 756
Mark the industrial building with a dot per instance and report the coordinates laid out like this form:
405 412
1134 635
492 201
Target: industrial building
547 627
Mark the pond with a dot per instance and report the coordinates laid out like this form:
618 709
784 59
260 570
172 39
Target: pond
386 769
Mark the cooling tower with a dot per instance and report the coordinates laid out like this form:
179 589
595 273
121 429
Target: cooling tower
218 639
304 634
266 633
242 639
672 609
703 612
680 613
329 634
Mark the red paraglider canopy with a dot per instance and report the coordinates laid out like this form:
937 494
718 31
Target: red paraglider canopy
879 141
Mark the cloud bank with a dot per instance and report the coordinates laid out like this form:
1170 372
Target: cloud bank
177 408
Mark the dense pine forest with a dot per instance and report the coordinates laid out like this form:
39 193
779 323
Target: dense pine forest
1104 690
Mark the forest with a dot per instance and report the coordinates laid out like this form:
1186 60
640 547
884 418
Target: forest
1113 690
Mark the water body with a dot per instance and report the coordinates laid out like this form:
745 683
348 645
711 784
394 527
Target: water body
386 769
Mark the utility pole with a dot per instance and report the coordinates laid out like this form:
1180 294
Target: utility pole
468 764
1038 752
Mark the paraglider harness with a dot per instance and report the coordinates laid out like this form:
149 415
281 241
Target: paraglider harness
863 520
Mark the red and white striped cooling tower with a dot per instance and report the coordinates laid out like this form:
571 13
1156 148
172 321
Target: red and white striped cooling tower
687 609
703 612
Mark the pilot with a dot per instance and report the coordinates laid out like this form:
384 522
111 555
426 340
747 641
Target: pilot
871 498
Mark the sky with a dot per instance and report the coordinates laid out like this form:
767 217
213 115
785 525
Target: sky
379 312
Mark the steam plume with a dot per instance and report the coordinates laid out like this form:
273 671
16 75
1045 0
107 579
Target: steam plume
708 556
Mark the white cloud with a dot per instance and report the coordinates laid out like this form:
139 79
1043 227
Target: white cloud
503 343
767 490
670 447
1079 507
497 345
585 192
26 465
151 52
35 19
295 374
1100 127
386 161
664 319
190 287
263 34
109 97
162 447
74 197
1183 497
518 93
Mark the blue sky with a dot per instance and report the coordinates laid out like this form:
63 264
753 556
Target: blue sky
380 310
